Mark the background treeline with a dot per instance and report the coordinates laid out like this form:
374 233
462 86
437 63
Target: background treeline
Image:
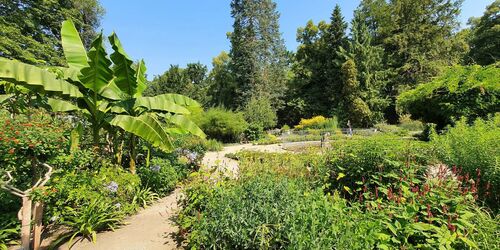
354 71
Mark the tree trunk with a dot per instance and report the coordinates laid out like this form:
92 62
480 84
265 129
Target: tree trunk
25 217
37 229
133 153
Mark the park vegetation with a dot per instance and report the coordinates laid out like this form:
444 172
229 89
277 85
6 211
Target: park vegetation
406 98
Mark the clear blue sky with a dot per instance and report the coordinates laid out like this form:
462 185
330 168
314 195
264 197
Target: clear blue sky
165 32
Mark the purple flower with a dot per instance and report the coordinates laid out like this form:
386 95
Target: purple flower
112 187
155 168
192 156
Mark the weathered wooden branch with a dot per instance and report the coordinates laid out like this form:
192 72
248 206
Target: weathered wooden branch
25 214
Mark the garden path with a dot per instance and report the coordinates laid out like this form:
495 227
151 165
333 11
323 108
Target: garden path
153 228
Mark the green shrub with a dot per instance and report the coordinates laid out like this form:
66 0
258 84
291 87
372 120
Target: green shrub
475 149
74 189
254 132
221 124
274 213
88 219
214 145
27 140
267 139
9 230
405 122
470 91
161 177
259 112
350 161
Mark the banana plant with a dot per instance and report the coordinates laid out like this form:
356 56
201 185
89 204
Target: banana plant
108 90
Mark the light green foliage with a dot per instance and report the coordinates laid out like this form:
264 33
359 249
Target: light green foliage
30 29
111 92
221 124
259 111
222 86
485 41
470 91
476 150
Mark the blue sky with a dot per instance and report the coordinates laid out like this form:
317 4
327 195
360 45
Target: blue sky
165 32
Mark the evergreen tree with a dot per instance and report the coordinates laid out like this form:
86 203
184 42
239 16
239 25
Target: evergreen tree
485 42
335 40
258 55
416 36
370 74
353 108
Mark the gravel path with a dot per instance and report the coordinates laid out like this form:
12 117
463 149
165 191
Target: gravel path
152 228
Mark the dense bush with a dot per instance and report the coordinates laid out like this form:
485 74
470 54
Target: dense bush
259 112
160 176
28 140
221 124
476 150
470 91
273 213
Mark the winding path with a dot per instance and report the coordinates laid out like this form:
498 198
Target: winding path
153 228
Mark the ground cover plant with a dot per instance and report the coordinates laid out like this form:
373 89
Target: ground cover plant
370 192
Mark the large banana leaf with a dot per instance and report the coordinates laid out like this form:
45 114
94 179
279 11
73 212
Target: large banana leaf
178 99
141 78
98 74
61 106
73 48
160 104
145 126
34 77
125 74
186 124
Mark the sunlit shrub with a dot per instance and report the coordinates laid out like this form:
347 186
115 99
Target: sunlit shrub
160 176
221 124
476 149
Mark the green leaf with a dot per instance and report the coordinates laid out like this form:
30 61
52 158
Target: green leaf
5 97
160 103
58 105
179 100
73 48
145 126
186 124
98 74
125 75
141 78
35 77
340 176
422 226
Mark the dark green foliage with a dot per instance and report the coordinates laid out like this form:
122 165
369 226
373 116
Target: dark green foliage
258 54
30 29
470 91
160 176
476 150
485 42
254 132
351 107
221 124
191 81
